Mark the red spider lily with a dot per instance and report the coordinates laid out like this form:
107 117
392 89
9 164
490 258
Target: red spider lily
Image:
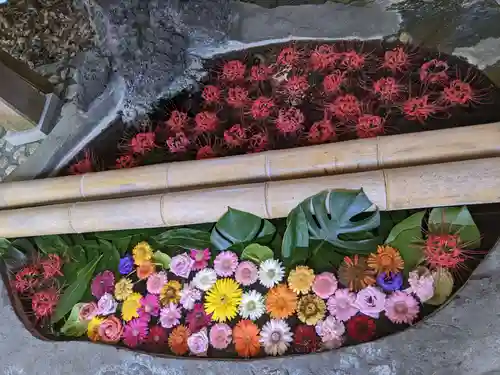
142 143
237 97
177 121
369 126
290 121
125 161
44 302
51 266
321 132
211 94
233 70
460 92
305 339
262 108
323 57
259 73
333 82
434 72
207 147
288 56
295 88
206 122
351 60
235 136
396 60
178 143
26 279
205 152
258 142
84 165
419 108
345 107
387 89
361 328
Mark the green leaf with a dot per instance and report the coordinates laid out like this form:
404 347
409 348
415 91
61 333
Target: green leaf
455 220
241 228
77 238
296 233
51 244
92 249
74 293
257 253
185 238
122 244
403 237
110 257
14 258
162 258
25 246
324 256
4 245
74 327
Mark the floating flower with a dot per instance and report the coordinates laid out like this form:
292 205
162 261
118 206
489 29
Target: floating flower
135 332
51 266
177 341
189 296
311 309
401 307
355 274
123 289
156 282
110 330
181 265
126 265
26 279
104 282
44 302
281 302
87 311
200 257
246 273
171 292
106 305
305 339
361 328
443 286
142 252
130 307
170 315
220 336
223 300
157 336
145 270
246 339
252 305
387 259
225 263
342 304
197 318
300 279
324 285
150 306
271 272
390 281
330 330
276 337
205 279
421 283
370 301
93 328
198 343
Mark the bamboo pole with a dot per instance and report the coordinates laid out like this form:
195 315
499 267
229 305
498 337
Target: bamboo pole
455 183
445 145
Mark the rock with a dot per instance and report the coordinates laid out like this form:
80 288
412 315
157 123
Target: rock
4 161
10 169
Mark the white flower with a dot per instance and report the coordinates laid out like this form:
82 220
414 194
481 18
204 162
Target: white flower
205 279
276 337
271 272
189 295
252 305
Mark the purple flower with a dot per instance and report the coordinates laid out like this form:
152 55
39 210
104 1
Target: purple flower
181 265
126 265
103 283
390 282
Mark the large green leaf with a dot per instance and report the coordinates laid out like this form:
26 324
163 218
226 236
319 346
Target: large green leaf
163 259
324 256
257 253
185 238
75 291
51 244
236 229
73 326
14 258
296 233
110 257
4 245
455 220
404 236
122 244
118 234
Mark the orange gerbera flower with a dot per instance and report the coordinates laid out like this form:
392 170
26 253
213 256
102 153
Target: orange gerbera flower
281 302
355 274
177 341
145 270
387 259
246 338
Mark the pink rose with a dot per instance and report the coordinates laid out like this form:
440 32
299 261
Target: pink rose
324 285
198 343
87 311
181 265
220 336
110 330
370 301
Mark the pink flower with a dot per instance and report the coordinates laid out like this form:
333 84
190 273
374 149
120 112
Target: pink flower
330 329
103 283
198 343
181 265
107 305
189 296
342 304
87 311
324 285
246 273
197 319
370 301
221 336
421 283
401 307
156 282
170 315
150 306
225 263
201 258
135 332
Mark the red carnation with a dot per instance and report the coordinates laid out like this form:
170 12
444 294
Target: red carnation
305 339
361 328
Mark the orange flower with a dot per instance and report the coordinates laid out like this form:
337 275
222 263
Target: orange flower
145 270
387 259
246 338
281 302
355 274
177 341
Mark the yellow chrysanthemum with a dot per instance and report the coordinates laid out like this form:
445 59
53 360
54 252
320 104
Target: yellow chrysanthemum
300 279
123 289
311 309
171 292
223 299
93 328
130 307
142 252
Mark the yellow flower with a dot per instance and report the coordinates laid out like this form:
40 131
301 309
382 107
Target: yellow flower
311 309
223 299
142 252
93 328
300 279
123 289
171 292
130 307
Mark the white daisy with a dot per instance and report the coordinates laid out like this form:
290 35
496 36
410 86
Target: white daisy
189 295
271 272
205 279
252 305
276 337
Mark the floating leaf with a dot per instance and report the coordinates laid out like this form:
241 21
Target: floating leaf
296 233
122 244
455 220
25 246
110 257
257 253
51 244
185 238
74 327
162 258
14 258
4 245
144 233
323 256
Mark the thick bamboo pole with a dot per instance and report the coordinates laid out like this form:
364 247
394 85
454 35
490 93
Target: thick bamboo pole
465 182
359 155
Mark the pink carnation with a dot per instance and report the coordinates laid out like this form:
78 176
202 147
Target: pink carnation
225 263
324 285
200 257
170 315
181 265
401 307
220 336
342 304
246 273
156 282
